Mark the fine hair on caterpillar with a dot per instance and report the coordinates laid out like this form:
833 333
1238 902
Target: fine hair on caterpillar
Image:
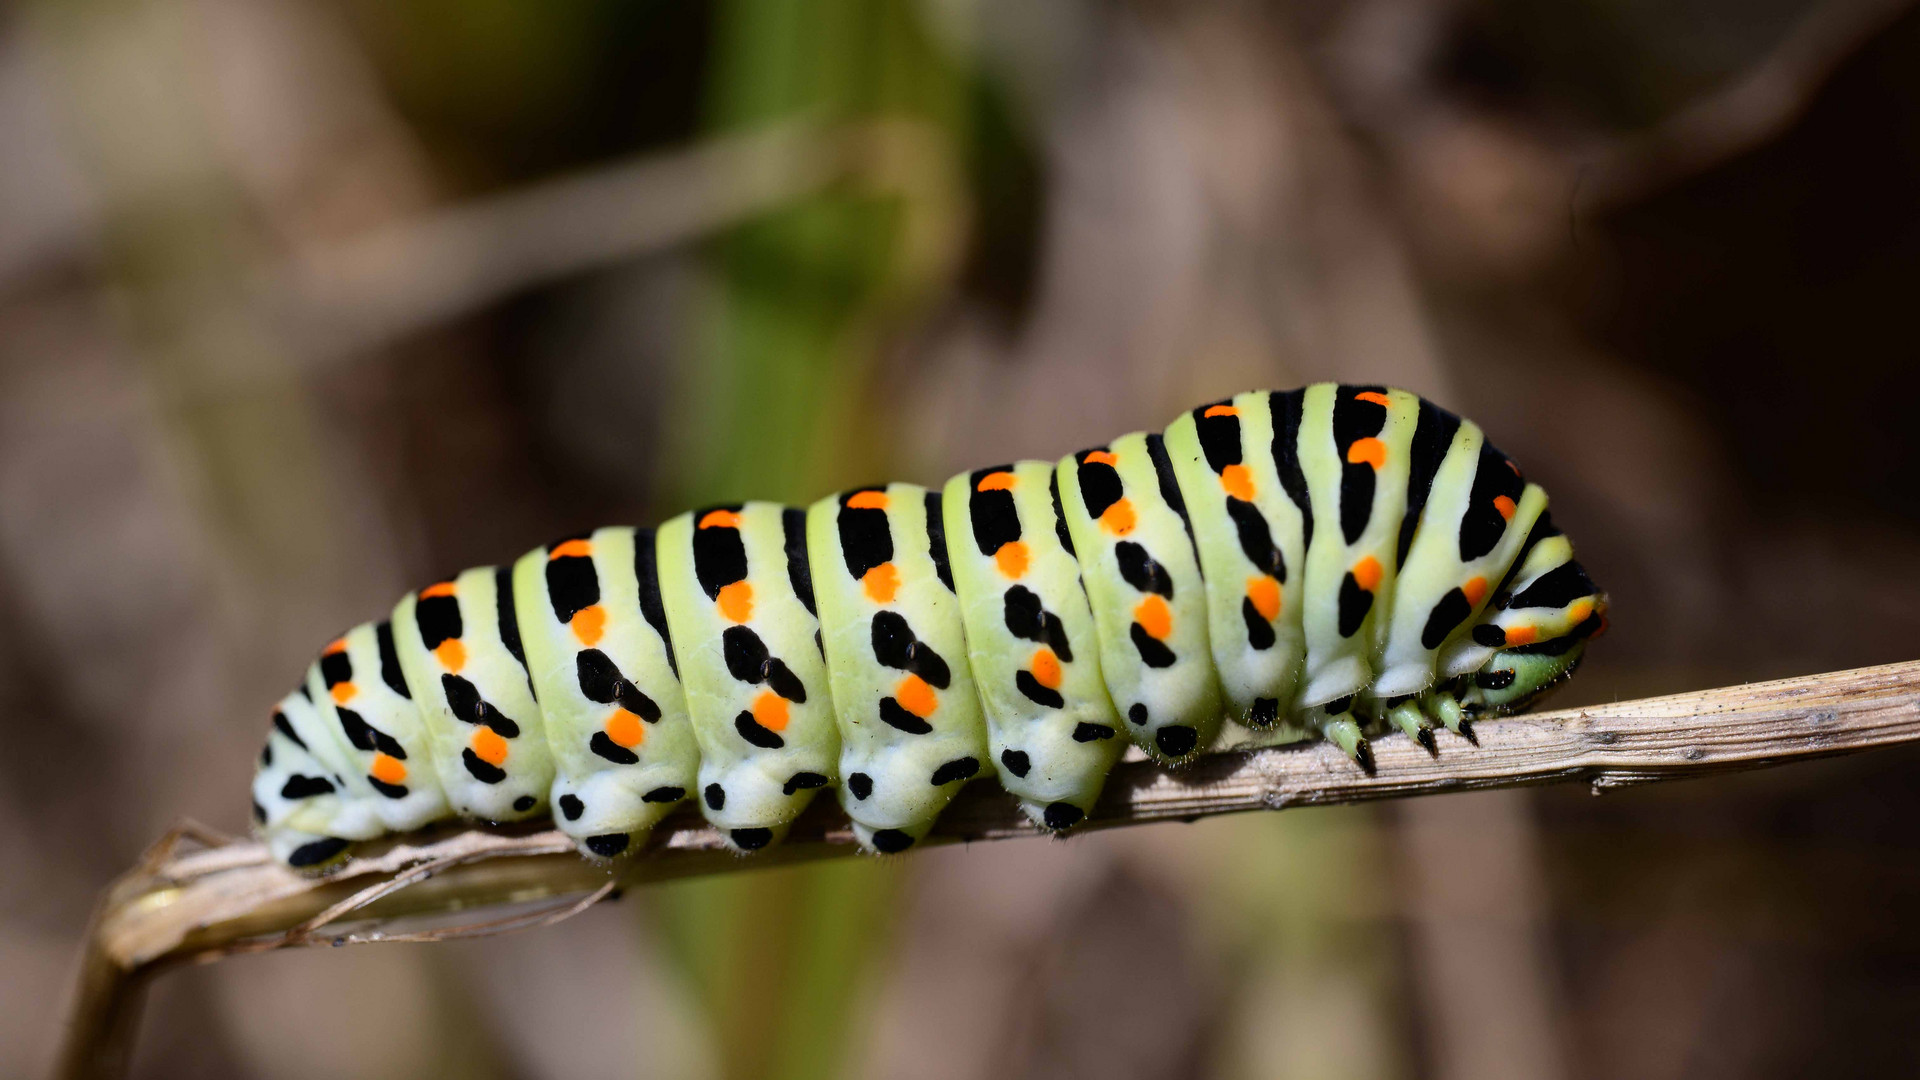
1328 562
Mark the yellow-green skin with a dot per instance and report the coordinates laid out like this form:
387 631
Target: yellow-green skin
1327 561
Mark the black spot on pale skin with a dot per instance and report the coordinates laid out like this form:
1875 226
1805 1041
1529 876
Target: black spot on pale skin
1016 761
571 807
1450 612
666 794
1482 526
719 554
860 784
748 660
1027 618
993 515
507 618
1433 434
793 528
756 733
1169 487
1489 635
1286 407
607 845
525 803
898 647
603 745
601 681
390 672
1141 570
465 702
1062 815
1493 680
1256 539
1153 652
1100 484
803 781
958 769
1338 705
646 571
285 727
259 813
898 718
1037 692
891 841
438 619
1137 712
865 539
1556 588
1059 515
305 787
1085 732
716 797
316 852
366 737
751 839
391 791
1219 436
937 540
1355 419
1259 631
1176 740
1264 712
480 770
266 756
336 668
1355 602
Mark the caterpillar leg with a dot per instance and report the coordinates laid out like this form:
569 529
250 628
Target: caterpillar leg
738 596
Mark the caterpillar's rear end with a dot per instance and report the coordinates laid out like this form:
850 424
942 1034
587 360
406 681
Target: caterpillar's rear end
1325 562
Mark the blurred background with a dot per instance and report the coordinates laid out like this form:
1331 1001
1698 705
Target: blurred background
305 302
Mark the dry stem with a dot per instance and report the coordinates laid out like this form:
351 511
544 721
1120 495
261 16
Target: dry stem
228 897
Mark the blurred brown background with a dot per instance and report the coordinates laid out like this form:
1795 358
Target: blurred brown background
303 302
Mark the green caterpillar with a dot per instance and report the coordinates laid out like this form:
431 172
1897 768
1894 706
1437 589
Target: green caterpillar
1325 561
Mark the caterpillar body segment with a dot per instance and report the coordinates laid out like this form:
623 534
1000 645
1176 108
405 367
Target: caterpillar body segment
1052 731
1128 522
1332 560
359 694
459 647
1250 533
911 731
739 601
594 629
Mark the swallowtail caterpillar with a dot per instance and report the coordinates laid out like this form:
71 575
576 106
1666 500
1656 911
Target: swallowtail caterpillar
1324 562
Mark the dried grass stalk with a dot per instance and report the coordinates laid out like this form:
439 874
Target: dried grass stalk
199 896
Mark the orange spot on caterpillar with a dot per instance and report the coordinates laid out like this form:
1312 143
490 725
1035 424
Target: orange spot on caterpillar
1366 573
1476 590
1238 480
881 583
1374 396
915 696
867 500
343 692
1504 505
1119 519
1522 635
1369 450
440 588
1012 558
1221 410
1578 613
720 519
337 645
1046 668
1102 457
770 711
996 481
1265 594
388 770
488 746
626 729
1154 616
589 623
578 549
736 601
452 654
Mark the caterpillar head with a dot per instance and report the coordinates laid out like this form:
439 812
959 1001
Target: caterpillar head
1515 677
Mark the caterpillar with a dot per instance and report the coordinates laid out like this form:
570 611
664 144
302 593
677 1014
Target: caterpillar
1326 562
